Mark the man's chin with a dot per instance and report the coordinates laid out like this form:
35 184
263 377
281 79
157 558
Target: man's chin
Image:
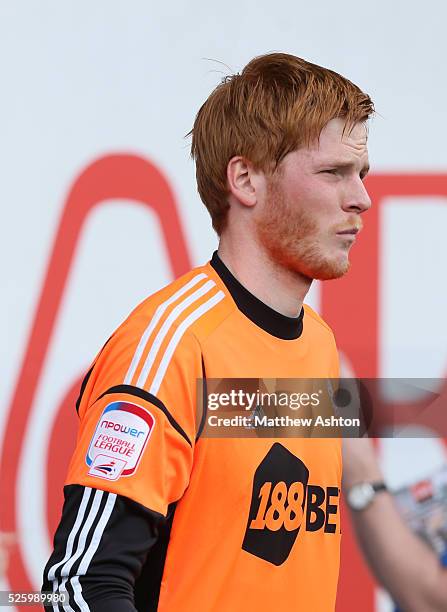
330 275
311 265
328 270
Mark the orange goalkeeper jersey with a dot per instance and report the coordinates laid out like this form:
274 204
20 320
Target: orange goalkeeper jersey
236 523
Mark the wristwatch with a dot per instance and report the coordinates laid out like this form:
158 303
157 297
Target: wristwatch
361 495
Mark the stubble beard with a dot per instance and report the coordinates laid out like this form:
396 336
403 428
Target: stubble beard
291 238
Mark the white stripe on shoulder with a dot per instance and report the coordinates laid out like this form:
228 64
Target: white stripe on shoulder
93 547
153 322
196 314
176 312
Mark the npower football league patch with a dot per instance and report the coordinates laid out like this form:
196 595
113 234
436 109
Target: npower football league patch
120 438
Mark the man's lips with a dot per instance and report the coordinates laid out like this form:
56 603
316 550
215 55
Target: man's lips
352 231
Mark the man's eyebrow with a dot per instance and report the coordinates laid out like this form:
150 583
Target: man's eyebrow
344 165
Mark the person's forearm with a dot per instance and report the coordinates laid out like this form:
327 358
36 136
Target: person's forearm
402 562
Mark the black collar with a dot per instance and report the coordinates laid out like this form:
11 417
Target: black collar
271 321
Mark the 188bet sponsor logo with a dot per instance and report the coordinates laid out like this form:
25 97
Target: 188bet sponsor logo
284 503
119 440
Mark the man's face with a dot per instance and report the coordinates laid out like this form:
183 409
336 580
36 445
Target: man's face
311 206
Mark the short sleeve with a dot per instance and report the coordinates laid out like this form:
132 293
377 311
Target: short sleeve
138 417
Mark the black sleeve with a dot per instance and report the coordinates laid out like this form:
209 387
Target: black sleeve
100 547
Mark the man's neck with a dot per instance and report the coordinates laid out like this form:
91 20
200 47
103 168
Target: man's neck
282 289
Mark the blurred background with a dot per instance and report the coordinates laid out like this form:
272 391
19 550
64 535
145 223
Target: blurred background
100 209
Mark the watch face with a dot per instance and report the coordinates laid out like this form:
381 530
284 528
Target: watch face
360 495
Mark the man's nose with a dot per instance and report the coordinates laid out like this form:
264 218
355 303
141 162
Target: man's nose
358 199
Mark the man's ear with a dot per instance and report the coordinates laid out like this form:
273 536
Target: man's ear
243 181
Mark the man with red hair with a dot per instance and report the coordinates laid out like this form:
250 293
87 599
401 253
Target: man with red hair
156 514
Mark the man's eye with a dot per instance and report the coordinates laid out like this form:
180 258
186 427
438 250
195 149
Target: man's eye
331 171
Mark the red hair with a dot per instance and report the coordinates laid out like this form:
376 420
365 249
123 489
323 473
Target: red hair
277 104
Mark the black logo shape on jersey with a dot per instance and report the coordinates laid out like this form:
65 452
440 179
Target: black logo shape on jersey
277 505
